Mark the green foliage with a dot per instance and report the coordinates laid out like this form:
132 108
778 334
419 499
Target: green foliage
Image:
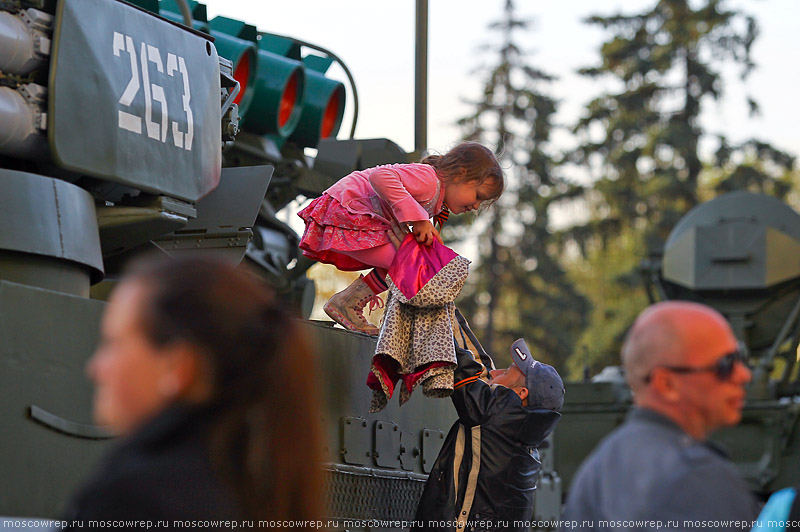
761 168
518 287
640 144
616 296
665 63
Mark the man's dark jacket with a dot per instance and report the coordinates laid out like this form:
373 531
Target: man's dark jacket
493 449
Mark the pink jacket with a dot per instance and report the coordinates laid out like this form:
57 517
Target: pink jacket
405 192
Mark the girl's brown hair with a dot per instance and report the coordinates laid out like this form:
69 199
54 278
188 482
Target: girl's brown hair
266 441
469 161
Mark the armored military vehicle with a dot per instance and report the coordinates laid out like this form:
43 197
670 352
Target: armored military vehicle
740 254
136 126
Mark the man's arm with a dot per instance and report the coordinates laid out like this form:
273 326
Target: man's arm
472 397
472 342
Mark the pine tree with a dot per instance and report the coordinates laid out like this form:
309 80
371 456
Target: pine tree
518 288
647 163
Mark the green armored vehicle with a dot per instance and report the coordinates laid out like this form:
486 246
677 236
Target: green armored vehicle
739 253
137 126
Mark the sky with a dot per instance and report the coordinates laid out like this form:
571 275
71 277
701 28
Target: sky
375 38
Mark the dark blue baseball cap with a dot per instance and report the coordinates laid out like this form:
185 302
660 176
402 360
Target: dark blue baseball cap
545 387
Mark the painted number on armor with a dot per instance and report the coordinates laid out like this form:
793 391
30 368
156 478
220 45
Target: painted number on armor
157 128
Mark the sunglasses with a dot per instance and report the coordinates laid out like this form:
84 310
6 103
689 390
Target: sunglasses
722 368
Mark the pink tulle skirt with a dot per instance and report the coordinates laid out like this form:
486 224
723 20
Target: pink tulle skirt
331 229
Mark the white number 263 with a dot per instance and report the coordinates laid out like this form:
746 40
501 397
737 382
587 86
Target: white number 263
157 130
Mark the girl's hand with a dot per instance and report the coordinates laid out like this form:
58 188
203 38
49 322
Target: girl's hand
425 232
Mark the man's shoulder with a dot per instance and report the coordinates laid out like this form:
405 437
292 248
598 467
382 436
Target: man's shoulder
640 447
655 443
708 488
673 474
639 434
701 463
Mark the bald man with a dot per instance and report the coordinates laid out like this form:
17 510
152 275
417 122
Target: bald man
658 470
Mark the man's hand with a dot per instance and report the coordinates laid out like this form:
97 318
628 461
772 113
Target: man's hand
425 232
394 239
397 233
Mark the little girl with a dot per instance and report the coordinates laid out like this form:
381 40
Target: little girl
348 225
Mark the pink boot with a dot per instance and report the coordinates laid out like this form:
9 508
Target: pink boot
346 307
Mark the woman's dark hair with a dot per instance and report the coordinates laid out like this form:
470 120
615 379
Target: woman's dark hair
469 161
267 440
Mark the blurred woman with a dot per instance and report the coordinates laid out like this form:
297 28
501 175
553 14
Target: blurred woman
213 390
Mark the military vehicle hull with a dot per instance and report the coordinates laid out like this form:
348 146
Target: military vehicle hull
121 135
738 254
377 463
763 446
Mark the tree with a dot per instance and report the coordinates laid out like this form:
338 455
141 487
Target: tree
518 288
666 63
